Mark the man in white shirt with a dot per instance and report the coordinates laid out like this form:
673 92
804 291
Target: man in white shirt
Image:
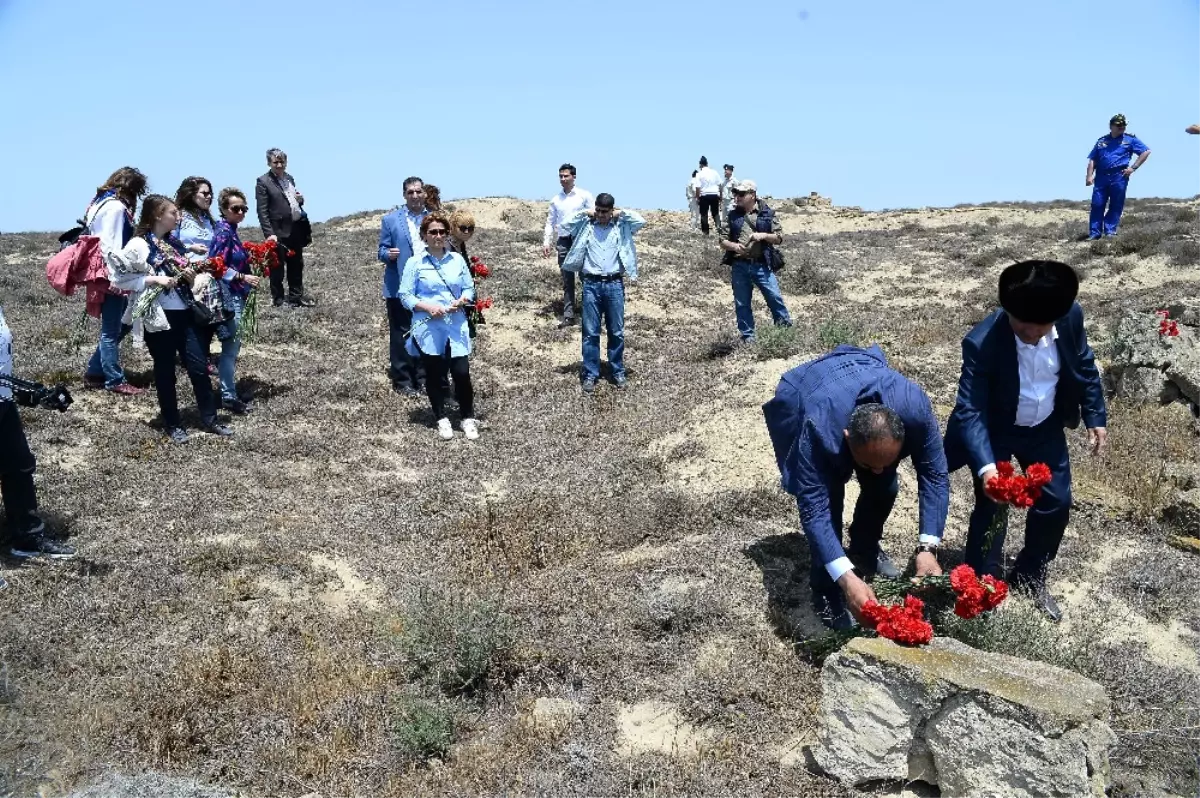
693 197
1027 373
564 207
709 195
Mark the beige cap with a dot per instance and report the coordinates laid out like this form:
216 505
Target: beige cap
746 185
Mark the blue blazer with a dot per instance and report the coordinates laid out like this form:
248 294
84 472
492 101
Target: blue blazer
990 386
807 420
394 233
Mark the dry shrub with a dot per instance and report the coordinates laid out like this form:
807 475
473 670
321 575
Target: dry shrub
804 274
423 729
512 536
453 641
774 341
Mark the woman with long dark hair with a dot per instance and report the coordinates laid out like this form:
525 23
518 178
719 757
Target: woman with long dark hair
437 287
109 217
156 271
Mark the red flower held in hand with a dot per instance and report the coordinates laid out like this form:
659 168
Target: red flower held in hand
483 304
974 595
217 267
1020 491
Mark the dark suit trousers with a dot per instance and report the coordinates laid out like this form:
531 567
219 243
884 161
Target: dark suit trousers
875 500
1046 521
404 370
710 205
291 266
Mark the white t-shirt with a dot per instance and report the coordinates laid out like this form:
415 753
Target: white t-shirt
710 182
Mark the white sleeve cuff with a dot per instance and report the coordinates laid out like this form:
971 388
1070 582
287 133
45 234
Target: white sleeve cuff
932 540
985 469
838 567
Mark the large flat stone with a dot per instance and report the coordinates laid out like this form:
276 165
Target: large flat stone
979 724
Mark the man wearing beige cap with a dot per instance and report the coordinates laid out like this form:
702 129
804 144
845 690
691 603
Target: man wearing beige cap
749 237
1108 172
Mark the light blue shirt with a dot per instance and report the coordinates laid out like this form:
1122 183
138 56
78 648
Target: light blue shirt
193 230
439 280
601 259
583 229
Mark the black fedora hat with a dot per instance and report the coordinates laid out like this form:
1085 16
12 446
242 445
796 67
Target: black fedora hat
1038 291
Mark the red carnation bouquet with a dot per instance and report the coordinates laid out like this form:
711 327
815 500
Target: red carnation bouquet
1167 327
479 271
263 258
905 623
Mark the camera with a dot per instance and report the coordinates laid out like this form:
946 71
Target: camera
33 394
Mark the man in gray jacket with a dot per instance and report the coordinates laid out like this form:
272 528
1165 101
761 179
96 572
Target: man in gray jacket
284 223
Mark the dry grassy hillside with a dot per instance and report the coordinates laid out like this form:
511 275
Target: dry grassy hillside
594 599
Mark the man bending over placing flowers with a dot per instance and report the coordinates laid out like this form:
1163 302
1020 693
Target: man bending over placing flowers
847 414
1027 373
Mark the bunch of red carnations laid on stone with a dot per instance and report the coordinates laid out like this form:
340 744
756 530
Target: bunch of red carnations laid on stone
1167 327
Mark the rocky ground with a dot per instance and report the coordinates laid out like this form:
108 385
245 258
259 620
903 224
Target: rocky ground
601 596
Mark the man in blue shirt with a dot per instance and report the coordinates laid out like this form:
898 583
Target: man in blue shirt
1108 172
603 252
848 414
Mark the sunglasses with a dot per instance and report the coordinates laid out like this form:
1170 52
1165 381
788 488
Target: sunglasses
239 208
467 228
438 233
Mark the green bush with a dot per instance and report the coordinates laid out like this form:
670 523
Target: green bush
777 342
423 729
453 641
836 332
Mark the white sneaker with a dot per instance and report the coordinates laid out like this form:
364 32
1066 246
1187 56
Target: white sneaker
445 431
470 429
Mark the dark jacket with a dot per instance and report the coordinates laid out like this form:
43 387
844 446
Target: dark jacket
274 210
990 386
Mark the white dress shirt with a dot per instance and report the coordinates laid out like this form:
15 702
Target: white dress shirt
1037 366
710 182
562 209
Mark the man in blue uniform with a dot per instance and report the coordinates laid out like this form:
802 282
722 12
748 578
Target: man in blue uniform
1108 171
843 415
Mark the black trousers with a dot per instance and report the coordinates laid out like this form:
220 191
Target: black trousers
291 266
404 370
183 341
16 474
437 367
710 204
563 246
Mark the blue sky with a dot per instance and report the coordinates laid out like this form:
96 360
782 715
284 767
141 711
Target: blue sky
878 104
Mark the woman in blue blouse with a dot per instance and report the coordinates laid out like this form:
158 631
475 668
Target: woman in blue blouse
238 282
437 288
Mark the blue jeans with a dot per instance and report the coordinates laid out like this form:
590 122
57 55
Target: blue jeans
746 275
106 360
230 346
607 298
1108 191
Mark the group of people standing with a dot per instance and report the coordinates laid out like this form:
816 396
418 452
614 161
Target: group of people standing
709 196
162 272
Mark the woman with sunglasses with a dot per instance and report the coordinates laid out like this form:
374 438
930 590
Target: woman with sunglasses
437 287
195 232
462 228
159 275
239 282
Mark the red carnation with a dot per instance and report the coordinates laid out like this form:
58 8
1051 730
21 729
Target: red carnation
904 623
1038 474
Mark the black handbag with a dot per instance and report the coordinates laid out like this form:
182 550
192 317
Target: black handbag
301 236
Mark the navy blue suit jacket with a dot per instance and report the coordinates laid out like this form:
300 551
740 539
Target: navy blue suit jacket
990 386
807 420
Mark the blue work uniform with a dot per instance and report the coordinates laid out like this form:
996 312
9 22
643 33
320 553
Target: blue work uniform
1111 155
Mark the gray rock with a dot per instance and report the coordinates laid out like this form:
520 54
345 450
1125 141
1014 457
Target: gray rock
1183 514
149 785
1149 367
974 723
1186 311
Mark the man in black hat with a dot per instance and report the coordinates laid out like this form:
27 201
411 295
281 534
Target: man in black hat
1027 373
1108 172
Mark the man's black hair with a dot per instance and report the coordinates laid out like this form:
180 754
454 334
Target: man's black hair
703 161
874 422
569 168
408 181
729 166
605 200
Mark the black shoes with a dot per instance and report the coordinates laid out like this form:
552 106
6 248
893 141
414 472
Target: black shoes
1039 593
885 567
30 545
177 434
277 302
567 321
303 301
235 406
407 391
223 430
